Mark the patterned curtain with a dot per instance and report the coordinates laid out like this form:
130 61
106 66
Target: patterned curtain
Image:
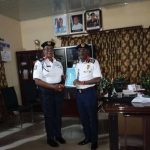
124 51
3 82
146 51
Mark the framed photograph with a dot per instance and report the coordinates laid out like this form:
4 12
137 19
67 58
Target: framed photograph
93 20
60 24
76 22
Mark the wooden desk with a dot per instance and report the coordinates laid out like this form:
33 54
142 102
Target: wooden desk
113 108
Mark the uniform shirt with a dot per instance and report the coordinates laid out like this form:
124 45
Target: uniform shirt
93 23
77 27
48 71
87 70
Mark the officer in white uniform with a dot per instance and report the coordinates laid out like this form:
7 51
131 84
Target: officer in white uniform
88 74
48 74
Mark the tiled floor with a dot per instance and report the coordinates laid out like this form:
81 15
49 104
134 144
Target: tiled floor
32 136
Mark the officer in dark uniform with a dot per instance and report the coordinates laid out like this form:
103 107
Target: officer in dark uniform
88 74
94 21
48 74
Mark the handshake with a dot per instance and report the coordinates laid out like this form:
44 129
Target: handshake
59 87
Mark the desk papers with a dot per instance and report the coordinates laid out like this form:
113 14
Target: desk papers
128 92
141 99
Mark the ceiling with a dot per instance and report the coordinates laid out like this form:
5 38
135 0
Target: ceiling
32 9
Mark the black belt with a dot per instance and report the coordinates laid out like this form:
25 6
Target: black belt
83 90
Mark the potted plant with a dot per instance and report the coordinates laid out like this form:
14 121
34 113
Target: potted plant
104 86
119 83
145 82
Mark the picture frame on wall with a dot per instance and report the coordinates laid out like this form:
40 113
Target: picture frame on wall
93 20
60 24
76 22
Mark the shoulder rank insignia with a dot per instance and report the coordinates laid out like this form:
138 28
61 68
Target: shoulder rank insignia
92 60
58 59
76 61
41 59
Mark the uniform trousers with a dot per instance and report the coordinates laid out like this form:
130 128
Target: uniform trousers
52 107
87 107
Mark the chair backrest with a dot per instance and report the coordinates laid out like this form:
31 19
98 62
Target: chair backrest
10 98
30 91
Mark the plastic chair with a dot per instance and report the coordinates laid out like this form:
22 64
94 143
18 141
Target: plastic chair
11 103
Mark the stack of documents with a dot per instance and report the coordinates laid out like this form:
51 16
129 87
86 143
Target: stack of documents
128 92
141 101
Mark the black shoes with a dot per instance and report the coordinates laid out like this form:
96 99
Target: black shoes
83 142
61 140
86 141
94 146
52 143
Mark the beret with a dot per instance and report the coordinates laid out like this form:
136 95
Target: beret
48 43
83 45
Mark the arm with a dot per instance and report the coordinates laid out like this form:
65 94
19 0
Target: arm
92 81
57 87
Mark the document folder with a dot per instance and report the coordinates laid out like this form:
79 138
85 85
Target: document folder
70 77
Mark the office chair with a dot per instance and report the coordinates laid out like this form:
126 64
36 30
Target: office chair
32 95
11 103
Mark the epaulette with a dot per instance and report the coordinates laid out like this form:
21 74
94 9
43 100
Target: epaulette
58 59
76 61
41 59
92 60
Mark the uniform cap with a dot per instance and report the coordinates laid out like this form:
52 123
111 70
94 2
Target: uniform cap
48 43
83 45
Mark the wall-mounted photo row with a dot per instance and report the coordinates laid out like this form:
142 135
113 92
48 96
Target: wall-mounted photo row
76 22
60 24
93 20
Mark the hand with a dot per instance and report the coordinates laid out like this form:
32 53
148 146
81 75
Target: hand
59 87
77 82
64 77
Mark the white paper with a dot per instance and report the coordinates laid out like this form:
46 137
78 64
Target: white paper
128 92
6 55
132 87
141 99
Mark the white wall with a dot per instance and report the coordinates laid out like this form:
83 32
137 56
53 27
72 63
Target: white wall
10 31
40 29
113 17
127 15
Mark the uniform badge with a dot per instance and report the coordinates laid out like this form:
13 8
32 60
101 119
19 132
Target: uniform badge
88 66
35 67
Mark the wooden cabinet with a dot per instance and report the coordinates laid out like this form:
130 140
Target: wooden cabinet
25 64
